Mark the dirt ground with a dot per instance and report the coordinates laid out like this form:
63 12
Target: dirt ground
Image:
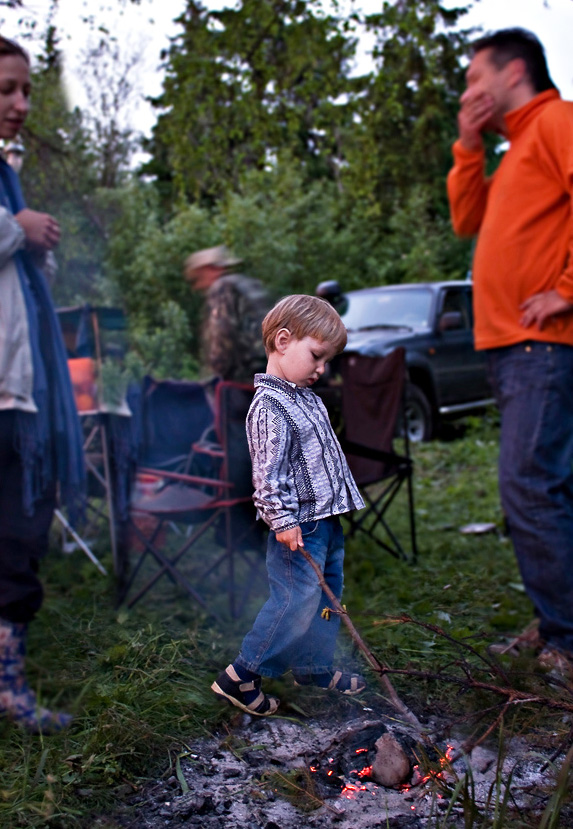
290 772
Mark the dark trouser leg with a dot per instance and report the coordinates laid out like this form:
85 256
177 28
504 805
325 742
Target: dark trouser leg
23 538
533 384
23 542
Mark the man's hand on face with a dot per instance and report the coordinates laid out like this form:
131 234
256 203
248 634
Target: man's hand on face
541 307
475 112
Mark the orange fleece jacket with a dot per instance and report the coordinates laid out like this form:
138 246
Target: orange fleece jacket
524 215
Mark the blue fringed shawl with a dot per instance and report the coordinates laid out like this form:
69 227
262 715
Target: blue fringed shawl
50 441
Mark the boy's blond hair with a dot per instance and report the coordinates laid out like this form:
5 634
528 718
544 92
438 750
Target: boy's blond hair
304 316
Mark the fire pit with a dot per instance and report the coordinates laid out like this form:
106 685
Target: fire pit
281 773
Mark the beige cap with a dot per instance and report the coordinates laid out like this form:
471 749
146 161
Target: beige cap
219 256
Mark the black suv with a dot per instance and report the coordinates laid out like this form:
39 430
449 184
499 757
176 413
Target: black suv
433 322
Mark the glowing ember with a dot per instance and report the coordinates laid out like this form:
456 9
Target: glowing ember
418 779
351 790
358 780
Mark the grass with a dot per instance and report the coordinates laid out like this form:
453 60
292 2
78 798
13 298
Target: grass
138 681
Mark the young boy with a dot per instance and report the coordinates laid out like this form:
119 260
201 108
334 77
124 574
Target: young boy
302 484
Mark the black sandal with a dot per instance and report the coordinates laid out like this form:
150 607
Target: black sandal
336 680
231 687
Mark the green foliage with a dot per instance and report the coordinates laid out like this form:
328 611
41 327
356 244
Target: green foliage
58 175
290 233
145 265
419 248
246 83
164 351
146 256
264 141
408 120
308 173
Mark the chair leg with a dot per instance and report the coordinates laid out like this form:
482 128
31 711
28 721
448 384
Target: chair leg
412 519
168 567
374 516
127 583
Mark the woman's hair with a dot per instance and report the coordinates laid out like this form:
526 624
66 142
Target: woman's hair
10 47
304 316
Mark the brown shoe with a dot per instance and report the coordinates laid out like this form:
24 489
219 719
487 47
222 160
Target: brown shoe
558 664
528 640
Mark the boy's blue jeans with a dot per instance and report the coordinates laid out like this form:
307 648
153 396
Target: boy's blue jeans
533 384
289 631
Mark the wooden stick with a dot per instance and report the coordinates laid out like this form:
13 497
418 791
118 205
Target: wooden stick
374 663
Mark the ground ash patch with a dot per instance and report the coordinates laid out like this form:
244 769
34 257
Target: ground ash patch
279 773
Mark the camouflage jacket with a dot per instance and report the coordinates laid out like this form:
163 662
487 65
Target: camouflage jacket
236 306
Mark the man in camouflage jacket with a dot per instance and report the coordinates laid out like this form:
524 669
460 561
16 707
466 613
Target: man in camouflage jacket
235 308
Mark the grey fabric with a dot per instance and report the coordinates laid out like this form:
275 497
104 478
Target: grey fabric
16 373
299 470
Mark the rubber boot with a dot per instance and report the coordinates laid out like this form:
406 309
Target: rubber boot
17 700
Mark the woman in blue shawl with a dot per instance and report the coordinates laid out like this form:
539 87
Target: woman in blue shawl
40 436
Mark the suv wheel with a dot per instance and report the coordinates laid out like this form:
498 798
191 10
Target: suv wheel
419 421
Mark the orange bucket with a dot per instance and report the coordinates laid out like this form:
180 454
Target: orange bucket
83 377
145 484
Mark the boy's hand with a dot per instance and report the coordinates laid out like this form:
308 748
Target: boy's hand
291 538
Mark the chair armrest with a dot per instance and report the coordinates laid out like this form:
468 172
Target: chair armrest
213 450
171 463
185 479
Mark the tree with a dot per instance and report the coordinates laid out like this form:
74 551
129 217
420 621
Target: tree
146 253
59 173
244 85
408 120
289 234
292 233
108 79
71 157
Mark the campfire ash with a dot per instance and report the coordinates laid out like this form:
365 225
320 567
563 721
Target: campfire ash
366 773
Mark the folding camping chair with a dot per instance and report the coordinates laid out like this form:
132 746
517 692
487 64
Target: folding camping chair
240 535
218 498
94 337
372 405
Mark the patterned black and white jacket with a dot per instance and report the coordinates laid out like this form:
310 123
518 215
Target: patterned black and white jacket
299 470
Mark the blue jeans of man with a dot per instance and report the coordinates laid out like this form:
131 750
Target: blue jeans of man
289 631
533 384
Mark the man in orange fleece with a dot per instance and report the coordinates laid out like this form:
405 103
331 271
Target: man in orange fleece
523 303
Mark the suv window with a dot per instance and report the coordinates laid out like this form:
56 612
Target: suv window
388 308
458 300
